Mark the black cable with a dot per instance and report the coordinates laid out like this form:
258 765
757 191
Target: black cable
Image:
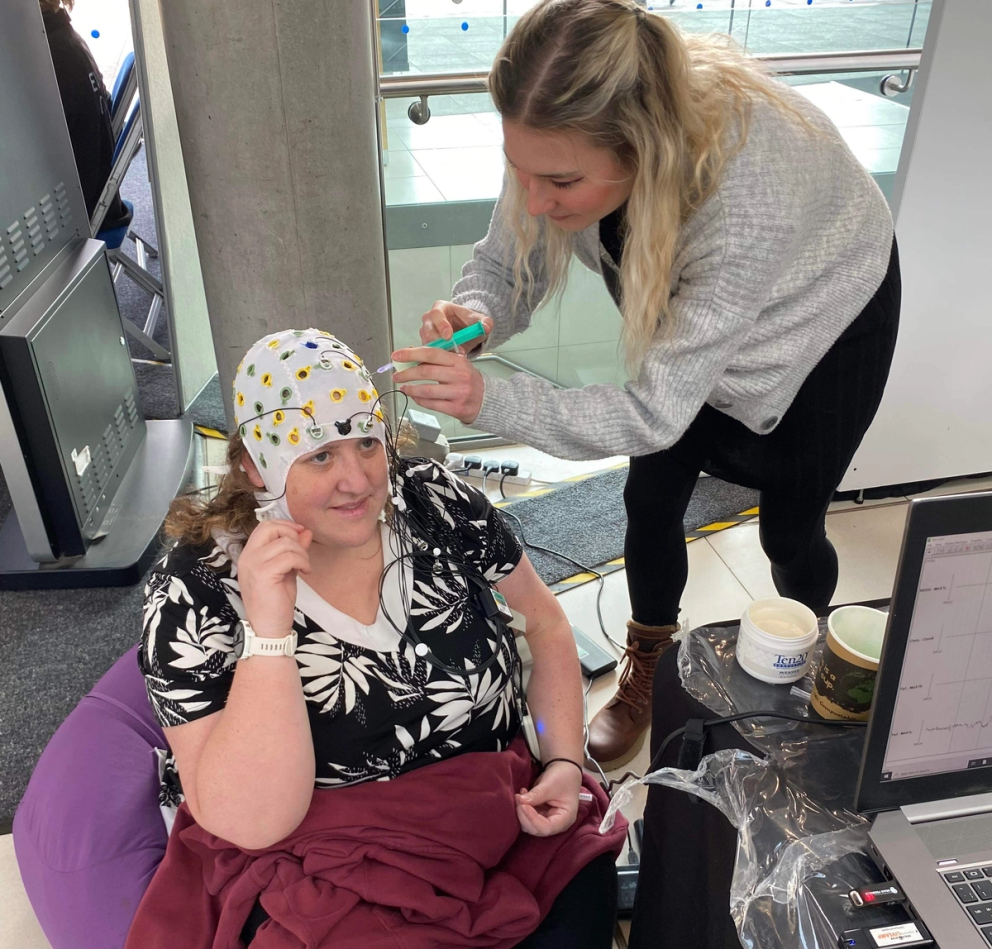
417 537
724 720
555 553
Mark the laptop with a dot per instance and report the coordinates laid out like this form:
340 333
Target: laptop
926 772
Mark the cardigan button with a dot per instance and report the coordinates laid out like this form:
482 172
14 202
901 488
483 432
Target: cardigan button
769 423
723 404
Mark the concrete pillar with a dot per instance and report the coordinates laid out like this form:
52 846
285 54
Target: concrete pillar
275 101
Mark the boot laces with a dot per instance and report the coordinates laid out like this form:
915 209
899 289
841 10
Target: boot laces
638 673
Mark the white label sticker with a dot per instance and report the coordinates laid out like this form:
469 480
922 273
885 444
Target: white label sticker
81 459
896 935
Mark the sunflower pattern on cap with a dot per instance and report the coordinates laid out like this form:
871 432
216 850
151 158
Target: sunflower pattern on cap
297 391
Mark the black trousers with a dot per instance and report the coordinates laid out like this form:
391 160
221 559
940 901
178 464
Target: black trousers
796 468
582 917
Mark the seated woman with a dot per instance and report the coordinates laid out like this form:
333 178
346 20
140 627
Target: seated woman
327 622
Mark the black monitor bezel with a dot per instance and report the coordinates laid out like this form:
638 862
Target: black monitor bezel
927 517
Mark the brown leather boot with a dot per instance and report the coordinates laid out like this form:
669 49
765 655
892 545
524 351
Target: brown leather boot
617 731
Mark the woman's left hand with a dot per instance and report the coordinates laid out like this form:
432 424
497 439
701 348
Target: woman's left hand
549 807
460 386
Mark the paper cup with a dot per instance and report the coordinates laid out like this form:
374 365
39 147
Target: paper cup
844 684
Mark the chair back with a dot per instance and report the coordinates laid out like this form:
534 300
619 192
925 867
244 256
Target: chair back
133 117
125 86
124 151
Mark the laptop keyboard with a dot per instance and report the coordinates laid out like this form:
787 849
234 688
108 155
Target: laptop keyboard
973 888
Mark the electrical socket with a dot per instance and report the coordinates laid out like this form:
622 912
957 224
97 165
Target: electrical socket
521 477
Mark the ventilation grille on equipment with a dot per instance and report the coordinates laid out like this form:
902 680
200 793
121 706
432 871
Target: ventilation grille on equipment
132 408
53 385
28 236
62 200
106 454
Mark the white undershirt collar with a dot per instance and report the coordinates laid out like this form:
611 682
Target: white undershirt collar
380 636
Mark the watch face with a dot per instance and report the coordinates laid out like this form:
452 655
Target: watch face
238 640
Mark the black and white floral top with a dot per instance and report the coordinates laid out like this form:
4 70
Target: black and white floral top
374 712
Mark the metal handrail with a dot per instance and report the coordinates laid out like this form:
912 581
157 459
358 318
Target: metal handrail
781 64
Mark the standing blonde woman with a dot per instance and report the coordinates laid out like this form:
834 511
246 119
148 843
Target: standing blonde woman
754 263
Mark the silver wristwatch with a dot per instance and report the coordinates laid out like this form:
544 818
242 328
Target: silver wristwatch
247 643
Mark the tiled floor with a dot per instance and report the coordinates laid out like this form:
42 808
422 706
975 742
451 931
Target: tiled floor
726 571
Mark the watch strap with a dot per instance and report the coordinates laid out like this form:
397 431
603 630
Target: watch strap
256 645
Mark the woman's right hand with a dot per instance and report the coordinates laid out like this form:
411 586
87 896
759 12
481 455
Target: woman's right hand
275 552
445 318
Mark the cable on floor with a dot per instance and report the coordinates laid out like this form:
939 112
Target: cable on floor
557 553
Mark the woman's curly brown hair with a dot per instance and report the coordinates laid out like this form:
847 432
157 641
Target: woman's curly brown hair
193 520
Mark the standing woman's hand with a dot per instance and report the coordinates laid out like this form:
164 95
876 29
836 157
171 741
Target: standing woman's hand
458 388
275 553
444 319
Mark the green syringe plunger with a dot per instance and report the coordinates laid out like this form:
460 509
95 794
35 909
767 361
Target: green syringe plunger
470 332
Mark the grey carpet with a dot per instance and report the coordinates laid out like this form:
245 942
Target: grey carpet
54 645
586 520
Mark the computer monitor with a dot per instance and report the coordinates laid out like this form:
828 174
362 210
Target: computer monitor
71 404
930 733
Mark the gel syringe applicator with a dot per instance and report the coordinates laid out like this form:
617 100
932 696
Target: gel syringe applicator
470 332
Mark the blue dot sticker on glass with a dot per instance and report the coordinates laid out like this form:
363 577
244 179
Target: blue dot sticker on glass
405 28
95 34
464 26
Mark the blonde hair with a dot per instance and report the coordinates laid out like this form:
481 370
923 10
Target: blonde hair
673 109
53 6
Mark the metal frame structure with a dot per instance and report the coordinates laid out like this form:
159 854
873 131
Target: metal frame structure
426 85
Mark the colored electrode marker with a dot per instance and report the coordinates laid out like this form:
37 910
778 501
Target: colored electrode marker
470 332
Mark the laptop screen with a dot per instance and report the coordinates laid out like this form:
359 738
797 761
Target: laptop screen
943 712
930 732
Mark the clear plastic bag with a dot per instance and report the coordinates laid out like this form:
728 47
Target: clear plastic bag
800 849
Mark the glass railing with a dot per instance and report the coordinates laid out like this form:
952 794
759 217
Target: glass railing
442 177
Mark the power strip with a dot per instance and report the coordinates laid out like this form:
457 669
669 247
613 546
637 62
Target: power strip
522 478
